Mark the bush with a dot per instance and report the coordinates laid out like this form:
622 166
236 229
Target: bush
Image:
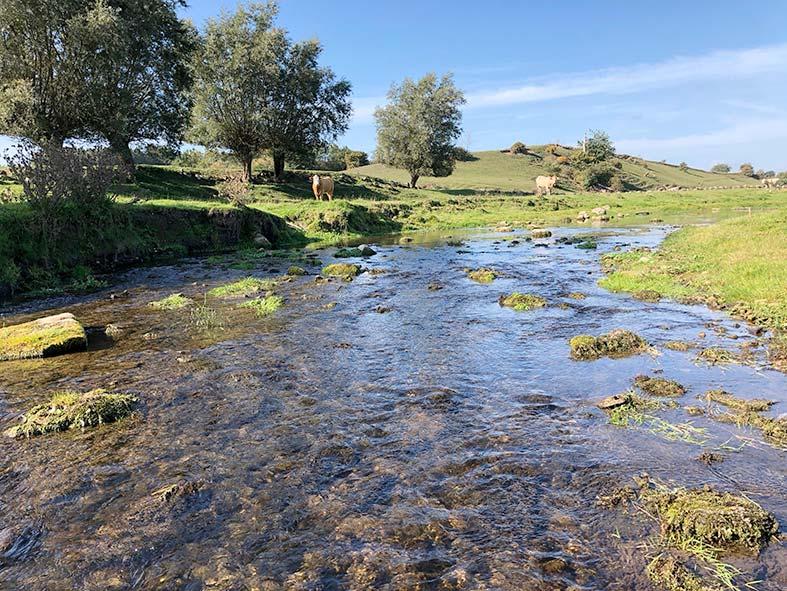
562 160
684 167
235 190
597 147
518 148
463 155
747 169
596 176
66 188
616 184
720 168
551 149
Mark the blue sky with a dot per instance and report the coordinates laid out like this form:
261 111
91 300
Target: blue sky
701 82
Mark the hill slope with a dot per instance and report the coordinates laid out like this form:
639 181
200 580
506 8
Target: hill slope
501 170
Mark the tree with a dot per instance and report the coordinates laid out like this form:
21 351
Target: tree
747 169
684 167
143 78
47 48
418 127
257 90
598 147
720 168
518 148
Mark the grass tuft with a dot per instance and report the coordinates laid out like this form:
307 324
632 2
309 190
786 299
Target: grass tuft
245 287
263 306
176 301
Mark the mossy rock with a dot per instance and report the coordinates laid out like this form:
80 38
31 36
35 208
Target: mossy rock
741 404
45 337
295 271
678 345
344 270
540 233
670 573
587 245
717 356
647 295
576 295
618 343
522 301
346 253
659 386
176 301
71 410
482 275
722 520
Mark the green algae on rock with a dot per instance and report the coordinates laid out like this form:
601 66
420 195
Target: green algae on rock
522 301
263 306
71 410
482 275
721 520
659 386
45 337
774 430
344 270
295 271
175 301
576 295
618 343
678 345
245 287
741 404
717 356
670 573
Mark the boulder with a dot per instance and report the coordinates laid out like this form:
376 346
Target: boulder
261 241
45 337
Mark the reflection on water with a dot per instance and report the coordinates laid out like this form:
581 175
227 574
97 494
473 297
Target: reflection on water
448 443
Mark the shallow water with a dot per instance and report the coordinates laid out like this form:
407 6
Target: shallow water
448 443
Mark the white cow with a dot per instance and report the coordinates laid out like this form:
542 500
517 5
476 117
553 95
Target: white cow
773 181
545 183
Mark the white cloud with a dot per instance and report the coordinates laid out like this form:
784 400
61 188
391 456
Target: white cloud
717 65
364 107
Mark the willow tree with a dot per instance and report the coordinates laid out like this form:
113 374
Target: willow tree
416 131
255 90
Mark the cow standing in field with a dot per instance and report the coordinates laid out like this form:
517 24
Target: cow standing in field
322 186
545 183
771 182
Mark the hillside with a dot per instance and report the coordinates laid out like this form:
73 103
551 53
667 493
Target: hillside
501 170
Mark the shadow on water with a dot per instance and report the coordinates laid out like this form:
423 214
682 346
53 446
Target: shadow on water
447 443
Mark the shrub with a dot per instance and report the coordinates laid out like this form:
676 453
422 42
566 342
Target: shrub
518 148
747 169
596 176
235 190
463 155
684 167
562 160
597 147
551 149
616 184
720 168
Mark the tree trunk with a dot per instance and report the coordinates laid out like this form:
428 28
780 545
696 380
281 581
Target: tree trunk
121 148
413 180
246 173
278 165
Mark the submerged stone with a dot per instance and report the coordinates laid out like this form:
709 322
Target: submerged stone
344 270
731 401
45 337
618 343
482 275
678 345
540 233
522 301
721 520
659 386
71 410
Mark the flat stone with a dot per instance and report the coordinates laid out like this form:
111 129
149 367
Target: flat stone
45 337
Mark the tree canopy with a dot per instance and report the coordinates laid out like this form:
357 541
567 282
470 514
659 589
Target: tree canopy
256 90
416 131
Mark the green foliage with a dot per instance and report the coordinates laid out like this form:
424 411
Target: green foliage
522 301
747 169
255 89
482 275
618 343
176 301
154 154
720 168
244 287
597 147
263 306
418 127
616 184
597 175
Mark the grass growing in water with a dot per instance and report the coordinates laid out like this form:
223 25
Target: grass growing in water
263 306
175 301
659 386
632 411
522 301
71 410
618 343
482 275
244 287
205 318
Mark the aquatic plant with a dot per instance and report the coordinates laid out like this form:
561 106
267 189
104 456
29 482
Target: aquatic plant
263 306
295 270
717 356
629 409
669 573
204 318
618 343
774 430
576 295
659 386
171 302
245 287
482 275
741 404
71 410
345 271
522 301
678 345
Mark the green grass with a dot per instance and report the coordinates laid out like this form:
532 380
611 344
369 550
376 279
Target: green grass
263 306
175 301
244 287
738 264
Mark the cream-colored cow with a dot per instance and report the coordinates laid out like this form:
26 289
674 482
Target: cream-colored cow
322 186
545 183
773 181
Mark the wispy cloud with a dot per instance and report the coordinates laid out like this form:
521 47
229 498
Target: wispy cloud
746 132
718 65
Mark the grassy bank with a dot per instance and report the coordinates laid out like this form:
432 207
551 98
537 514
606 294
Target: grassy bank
739 264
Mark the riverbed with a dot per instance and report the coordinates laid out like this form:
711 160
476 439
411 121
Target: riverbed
400 431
